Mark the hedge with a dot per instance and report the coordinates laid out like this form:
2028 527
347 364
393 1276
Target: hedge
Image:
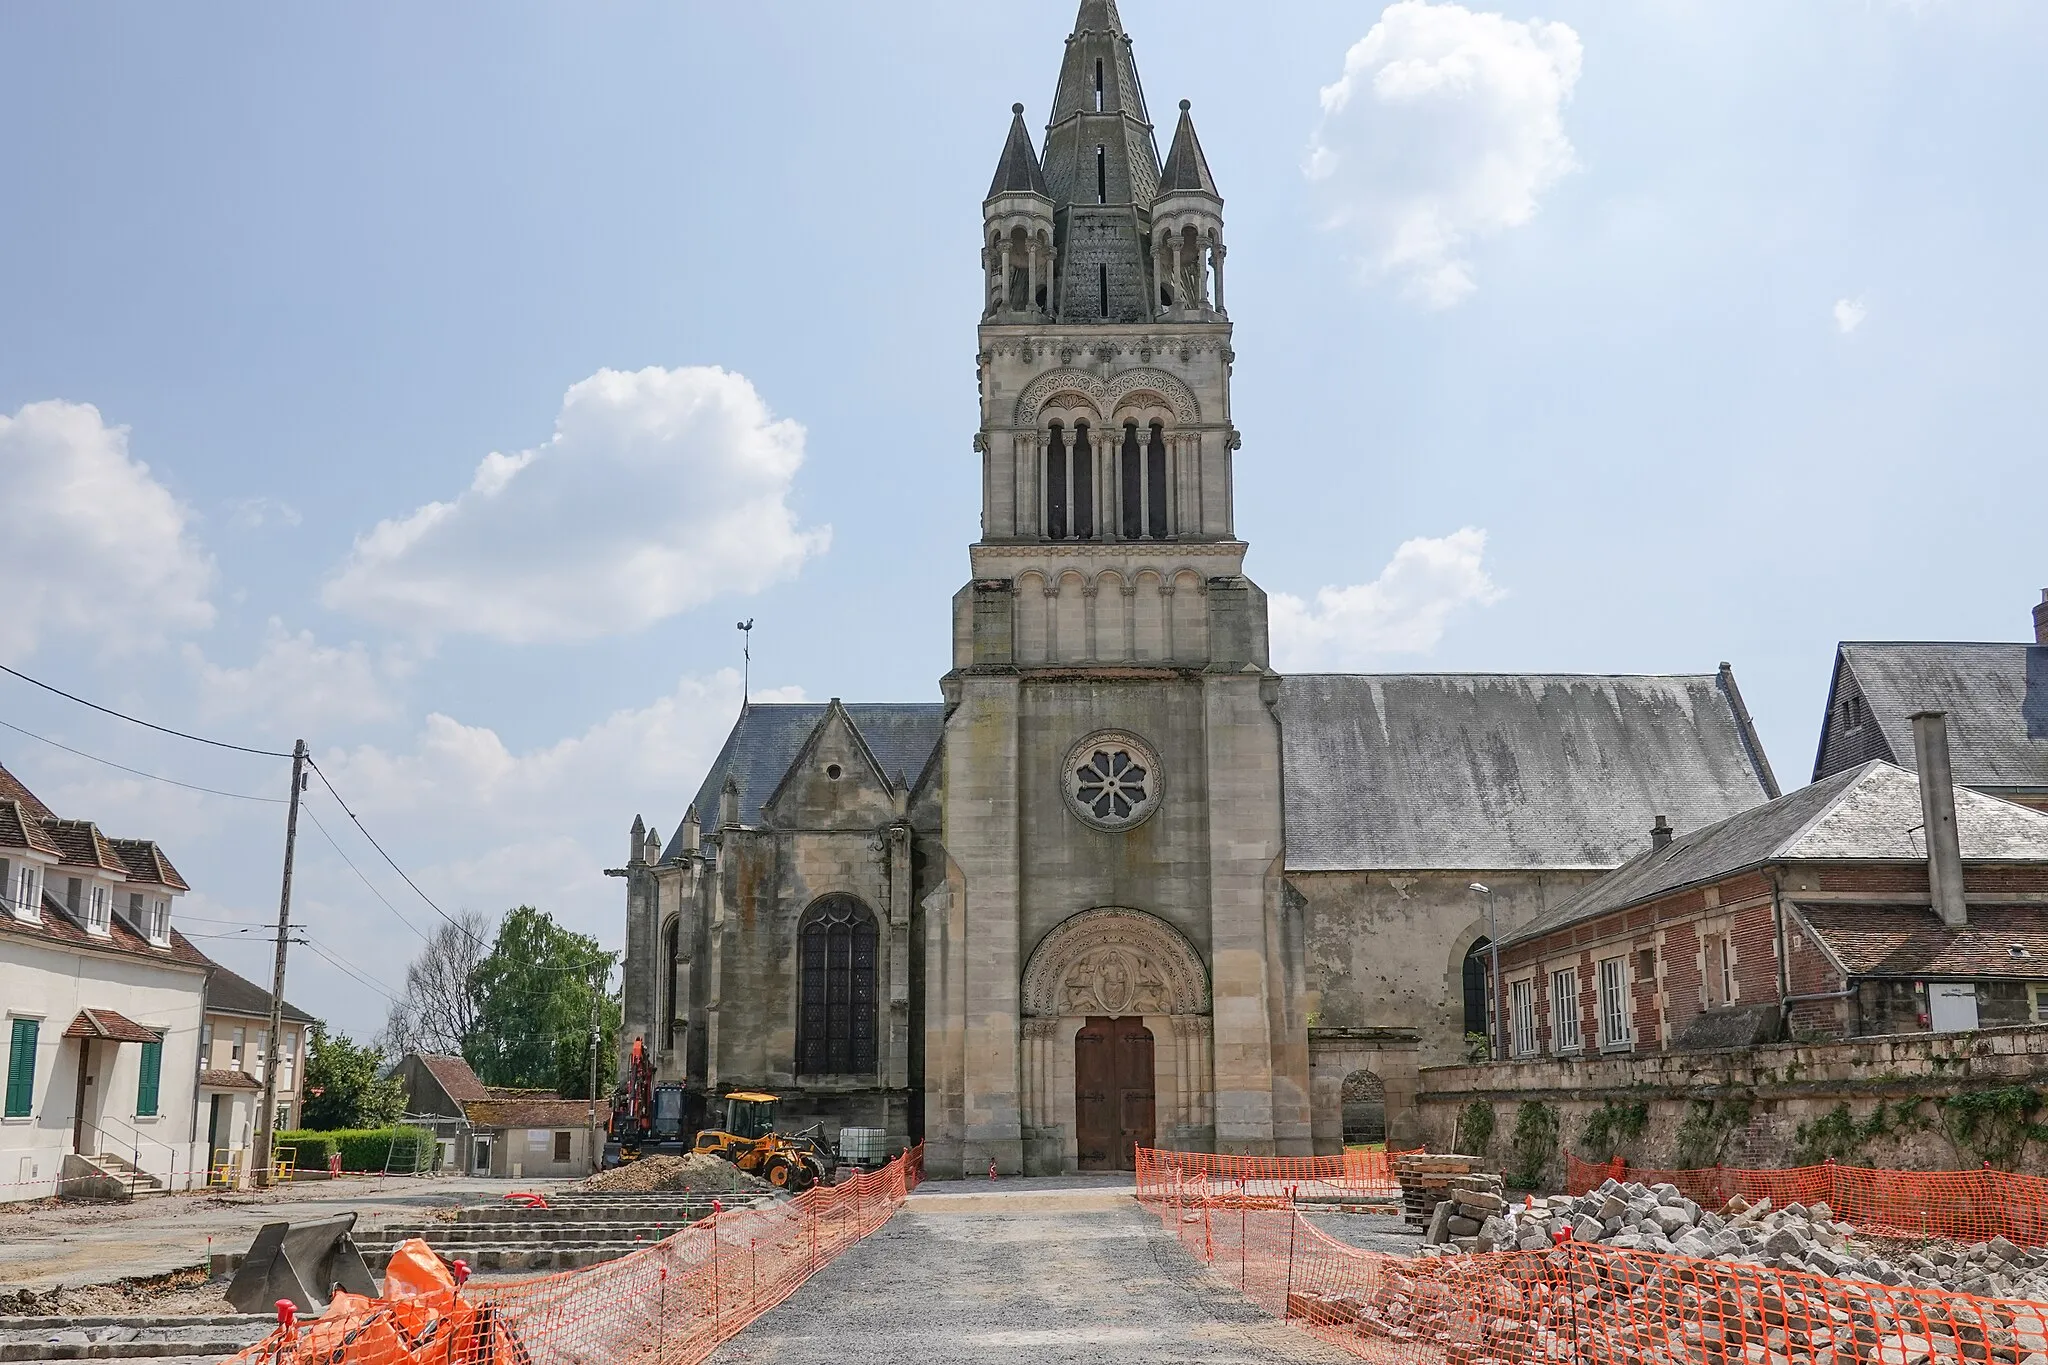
362 1149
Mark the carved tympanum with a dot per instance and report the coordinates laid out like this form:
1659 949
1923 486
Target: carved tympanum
1114 962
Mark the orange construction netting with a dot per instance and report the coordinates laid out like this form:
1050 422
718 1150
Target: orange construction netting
1352 1175
1965 1206
670 1304
1582 1303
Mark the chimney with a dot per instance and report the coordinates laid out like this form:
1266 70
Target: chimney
1660 835
2041 619
1938 816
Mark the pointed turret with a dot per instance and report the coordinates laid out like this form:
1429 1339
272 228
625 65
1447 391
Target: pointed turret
1016 231
1018 171
1187 229
639 837
1186 169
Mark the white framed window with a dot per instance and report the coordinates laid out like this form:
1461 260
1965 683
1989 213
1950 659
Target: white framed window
1717 972
160 920
235 1044
206 1044
288 1058
1564 1010
98 911
1614 1032
2037 997
1522 1016
24 891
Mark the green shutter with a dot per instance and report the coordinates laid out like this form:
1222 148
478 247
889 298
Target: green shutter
152 1072
21 1068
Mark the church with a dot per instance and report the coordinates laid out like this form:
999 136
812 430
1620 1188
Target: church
1121 884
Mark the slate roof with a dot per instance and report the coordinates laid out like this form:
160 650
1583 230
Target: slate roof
1908 940
767 737
552 1112
1505 771
1186 169
1996 696
1018 171
230 993
1866 814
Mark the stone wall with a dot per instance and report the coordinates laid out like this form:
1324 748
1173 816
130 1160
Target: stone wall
1888 1102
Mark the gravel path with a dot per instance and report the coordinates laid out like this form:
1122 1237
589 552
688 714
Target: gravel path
1019 1271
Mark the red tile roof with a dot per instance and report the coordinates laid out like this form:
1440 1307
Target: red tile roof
21 827
145 862
1905 940
529 1113
12 790
57 929
82 845
211 1079
454 1076
111 1027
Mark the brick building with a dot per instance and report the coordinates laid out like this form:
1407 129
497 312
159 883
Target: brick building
1822 913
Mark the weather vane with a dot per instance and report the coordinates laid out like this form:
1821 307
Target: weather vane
746 630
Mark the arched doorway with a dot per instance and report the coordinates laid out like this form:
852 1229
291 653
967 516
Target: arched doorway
1365 1108
1115 1093
1475 989
1116 1042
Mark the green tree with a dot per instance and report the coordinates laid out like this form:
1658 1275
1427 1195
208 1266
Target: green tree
531 1000
342 1085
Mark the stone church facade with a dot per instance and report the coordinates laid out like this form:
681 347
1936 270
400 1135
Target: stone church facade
1123 884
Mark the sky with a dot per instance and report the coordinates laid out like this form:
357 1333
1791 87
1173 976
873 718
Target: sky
440 384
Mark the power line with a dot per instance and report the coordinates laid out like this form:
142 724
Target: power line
359 873
453 923
133 720
154 777
355 973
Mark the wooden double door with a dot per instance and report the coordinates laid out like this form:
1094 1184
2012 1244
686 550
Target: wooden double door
1114 1104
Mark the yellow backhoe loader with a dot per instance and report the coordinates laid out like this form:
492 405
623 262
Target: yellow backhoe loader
788 1161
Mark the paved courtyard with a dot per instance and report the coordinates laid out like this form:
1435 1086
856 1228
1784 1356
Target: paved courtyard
1013 1271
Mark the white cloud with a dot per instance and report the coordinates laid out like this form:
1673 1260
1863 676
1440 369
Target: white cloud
484 826
296 684
1849 315
659 490
1403 611
95 547
251 514
1446 128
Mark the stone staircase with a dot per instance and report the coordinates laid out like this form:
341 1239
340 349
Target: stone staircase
106 1176
138 1181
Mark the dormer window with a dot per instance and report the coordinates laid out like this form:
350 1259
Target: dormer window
19 889
98 911
1854 712
151 916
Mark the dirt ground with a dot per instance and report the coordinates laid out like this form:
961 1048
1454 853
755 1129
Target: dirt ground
48 1243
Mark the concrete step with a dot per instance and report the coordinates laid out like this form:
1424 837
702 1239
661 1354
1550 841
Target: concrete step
131 1338
455 1234
520 1258
644 1211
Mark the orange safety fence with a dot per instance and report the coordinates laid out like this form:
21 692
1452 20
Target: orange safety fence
1360 1176
1965 1206
1578 1302
670 1304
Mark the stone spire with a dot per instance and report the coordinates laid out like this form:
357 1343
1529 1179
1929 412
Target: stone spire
1102 170
1186 169
1018 172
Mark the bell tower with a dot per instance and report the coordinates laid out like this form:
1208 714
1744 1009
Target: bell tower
1111 749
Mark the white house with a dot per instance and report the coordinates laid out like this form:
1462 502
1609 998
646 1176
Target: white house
101 1004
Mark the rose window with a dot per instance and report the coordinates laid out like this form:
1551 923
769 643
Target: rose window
1112 780
1111 783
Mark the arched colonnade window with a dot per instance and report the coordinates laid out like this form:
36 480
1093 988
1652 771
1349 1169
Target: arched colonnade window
1109 483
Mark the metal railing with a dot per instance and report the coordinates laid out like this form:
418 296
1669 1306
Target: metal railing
132 1141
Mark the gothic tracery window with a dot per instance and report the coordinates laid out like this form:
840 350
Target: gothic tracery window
836 948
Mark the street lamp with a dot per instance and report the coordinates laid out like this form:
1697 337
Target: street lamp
1494 1007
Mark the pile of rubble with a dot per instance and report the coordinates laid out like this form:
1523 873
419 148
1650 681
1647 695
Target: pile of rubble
1798 1238
695 1172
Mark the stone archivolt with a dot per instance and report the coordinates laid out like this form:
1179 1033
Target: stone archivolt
1114 962
1105 395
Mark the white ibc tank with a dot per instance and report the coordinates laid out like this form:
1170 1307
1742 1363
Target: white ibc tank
861 1146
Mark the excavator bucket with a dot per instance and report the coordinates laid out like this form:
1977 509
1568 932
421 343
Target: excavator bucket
303 1262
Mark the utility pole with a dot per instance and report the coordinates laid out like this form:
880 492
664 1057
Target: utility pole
596 1004
266 1119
